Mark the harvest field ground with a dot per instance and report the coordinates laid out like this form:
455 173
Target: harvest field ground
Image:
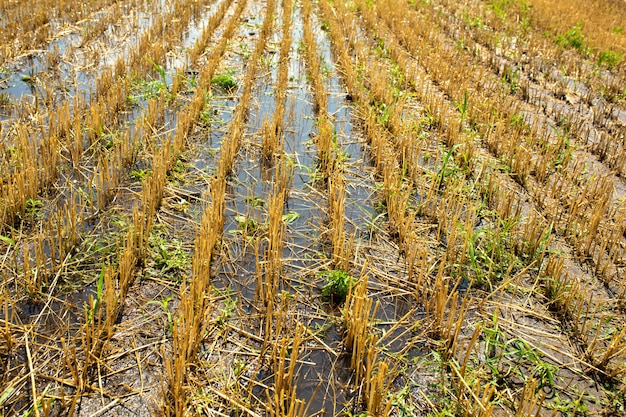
312 208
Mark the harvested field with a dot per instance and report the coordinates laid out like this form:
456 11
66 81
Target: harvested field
312 208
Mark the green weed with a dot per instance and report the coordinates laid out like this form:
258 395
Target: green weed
244 50
574 407
178 173
181 206
145 89
290 217
510 79
164 303
255 201
6 394
382 114
7 240
609 59
462 106
150 87
229 307
246 225
32 208
564 154
340 155
325 67
93 308
490 253
159 69
473 21
139 174
191 81
168 254
30 79
338 283
573 38
514 358
224 82
500 8
209 115
445 171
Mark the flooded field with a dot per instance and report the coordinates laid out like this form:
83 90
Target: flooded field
312 208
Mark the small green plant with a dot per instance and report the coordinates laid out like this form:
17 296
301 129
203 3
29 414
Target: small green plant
168 255
445 171
224 81
380 47
566 149
32 208
107 140
490 253
178 173
144 89
239 366
609 59
510 79
463 106
181 206
6 394
208 114
428 121
325 67
246 224
255 201
338 283
139 174
29 79
565 155
164 303
473 21
7 240
190 81
382 114
615 403
500 8
397 80
180 167
575 407
150 87
244 50
377 218
514 358
229 307
92 309
290 217
573 38
158 68
518 120
341 155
